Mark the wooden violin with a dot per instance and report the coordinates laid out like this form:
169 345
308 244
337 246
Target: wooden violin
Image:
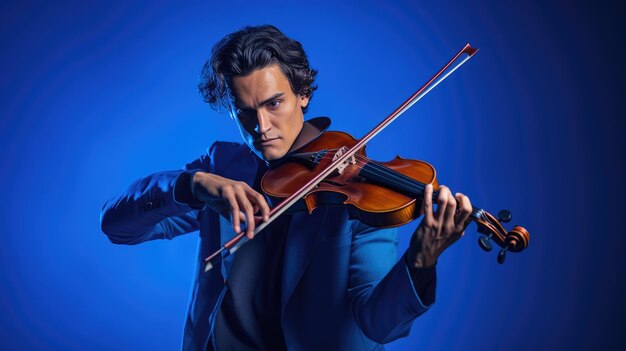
333 169
379 194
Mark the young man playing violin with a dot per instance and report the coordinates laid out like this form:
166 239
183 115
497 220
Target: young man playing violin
318 281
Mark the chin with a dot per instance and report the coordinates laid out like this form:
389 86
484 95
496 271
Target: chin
271 155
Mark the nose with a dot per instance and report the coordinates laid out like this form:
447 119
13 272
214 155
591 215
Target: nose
263 123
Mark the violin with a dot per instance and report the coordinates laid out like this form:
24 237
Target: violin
333 170
361 183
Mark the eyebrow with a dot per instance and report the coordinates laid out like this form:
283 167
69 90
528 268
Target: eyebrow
275 96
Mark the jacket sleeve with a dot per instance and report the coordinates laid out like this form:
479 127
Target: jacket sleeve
384 299
155 207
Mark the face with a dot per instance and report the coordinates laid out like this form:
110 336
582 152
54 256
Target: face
268 113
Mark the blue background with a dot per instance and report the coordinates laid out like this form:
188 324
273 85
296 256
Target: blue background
96 94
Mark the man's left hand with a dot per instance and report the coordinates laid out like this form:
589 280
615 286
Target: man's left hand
438 230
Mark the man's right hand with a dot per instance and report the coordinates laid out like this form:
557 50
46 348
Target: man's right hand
242 201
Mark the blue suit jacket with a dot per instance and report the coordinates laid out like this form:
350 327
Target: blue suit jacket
343 287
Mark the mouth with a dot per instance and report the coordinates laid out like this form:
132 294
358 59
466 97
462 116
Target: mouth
265 142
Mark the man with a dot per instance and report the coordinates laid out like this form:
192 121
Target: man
309 281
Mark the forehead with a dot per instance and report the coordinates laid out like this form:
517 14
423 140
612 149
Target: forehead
259 85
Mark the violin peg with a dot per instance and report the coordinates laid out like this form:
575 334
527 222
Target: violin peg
505 216
502 256
484 243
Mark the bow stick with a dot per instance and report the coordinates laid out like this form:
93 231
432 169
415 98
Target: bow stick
235 243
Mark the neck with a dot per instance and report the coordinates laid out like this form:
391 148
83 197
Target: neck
311 129
306 135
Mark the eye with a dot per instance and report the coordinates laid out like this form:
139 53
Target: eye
241 112
273 104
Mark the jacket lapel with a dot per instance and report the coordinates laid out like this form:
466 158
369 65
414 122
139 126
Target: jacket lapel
303 229
303 233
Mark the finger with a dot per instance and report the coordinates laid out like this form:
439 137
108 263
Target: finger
261 204
242 217
257 200
427 205
245 204
242 220
465 210
451 207
442 203
234 208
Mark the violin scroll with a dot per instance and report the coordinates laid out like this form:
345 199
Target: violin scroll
514 240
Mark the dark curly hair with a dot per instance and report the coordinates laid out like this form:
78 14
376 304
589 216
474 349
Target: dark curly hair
249 49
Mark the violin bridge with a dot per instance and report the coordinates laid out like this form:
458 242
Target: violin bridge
350 161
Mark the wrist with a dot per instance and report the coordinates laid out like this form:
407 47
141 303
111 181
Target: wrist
418 259
196 178
184 190
194 181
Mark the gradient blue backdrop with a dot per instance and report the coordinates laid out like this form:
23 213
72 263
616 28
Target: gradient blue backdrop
96 94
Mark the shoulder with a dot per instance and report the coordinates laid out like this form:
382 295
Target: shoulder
226 148
226 154
219 154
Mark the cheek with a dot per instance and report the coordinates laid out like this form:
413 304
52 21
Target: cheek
246 124
245 132
294 120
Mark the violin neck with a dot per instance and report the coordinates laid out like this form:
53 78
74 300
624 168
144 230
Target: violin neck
379 174
476 211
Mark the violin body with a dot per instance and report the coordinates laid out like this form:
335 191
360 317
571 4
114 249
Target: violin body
366 190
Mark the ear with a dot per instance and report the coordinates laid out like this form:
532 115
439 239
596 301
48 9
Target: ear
304 100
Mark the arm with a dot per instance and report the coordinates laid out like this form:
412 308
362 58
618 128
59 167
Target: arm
385 304
165 204
384 296
424 282
155 207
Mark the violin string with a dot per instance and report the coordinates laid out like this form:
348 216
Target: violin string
394 176
411 183
391 174
403 180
